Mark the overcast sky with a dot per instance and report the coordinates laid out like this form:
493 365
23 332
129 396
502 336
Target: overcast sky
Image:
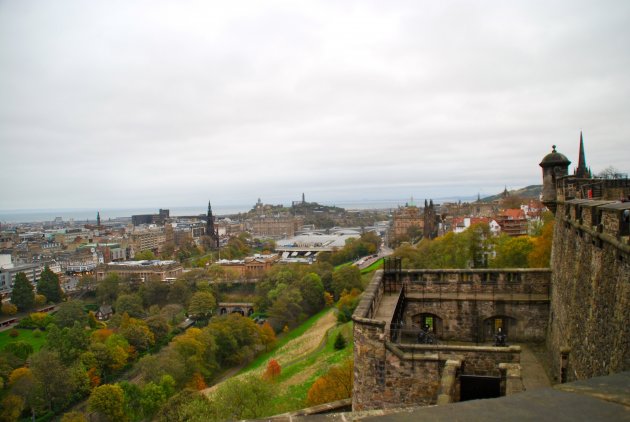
172 103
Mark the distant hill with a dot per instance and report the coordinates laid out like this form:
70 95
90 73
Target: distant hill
532 191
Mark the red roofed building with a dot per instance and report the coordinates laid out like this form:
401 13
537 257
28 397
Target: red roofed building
513 222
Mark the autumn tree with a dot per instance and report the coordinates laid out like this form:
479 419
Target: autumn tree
267 336
9 309
273 370
540 256
49 286
512 252
73 417
11 408
108 401
335 385
22 295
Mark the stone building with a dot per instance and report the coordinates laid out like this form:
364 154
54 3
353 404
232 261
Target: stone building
141 270
405 218
578 308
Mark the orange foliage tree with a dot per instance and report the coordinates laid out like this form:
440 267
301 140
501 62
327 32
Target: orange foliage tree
197 382
335 385
267 335
273 370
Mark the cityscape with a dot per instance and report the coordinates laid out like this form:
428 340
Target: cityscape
327 210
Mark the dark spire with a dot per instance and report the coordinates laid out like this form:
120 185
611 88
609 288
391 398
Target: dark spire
98 219
210 230
582 171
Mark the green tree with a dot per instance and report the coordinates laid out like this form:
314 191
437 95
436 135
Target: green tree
145 255
131 304
340 342
48 286
108 400
22 295
107 290
70 312
312 291
201 305
154 292
54 380
346 278
246 398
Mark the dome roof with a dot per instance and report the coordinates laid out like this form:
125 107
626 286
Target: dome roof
554 159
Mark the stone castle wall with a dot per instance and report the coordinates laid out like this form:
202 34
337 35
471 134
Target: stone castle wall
471 320
389 374
589 329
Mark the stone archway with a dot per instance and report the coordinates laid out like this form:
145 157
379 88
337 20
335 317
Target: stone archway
491 326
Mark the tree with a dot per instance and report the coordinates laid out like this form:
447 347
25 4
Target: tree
312 291
11 408
158 326
335 385
340 342
73 417
540 256
246 398
70 312
108 400
512 252
22 295
137 333
20 349
131 304
201 305
154 292
346 278
145 255
273 370
9 309
48 286
107 290
267 336
54 380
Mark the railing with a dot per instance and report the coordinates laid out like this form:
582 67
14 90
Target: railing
398 317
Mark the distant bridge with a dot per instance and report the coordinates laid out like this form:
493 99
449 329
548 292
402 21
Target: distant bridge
243 308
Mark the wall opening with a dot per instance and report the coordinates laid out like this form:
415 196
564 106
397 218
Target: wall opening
491 326
474 387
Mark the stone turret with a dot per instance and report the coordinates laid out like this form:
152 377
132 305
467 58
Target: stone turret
554 166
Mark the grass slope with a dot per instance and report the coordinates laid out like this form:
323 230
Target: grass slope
304 354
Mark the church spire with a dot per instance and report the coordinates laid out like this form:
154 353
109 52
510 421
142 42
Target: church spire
582 171
98 219
210 230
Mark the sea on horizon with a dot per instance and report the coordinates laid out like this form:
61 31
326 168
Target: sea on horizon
85 214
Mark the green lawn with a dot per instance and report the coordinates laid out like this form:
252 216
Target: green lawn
25 335
373 267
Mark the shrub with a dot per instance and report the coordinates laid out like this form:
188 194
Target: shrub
9 309
37 333
14 333
340 342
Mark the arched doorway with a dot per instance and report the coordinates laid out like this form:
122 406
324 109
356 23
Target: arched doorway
223 311
491 326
